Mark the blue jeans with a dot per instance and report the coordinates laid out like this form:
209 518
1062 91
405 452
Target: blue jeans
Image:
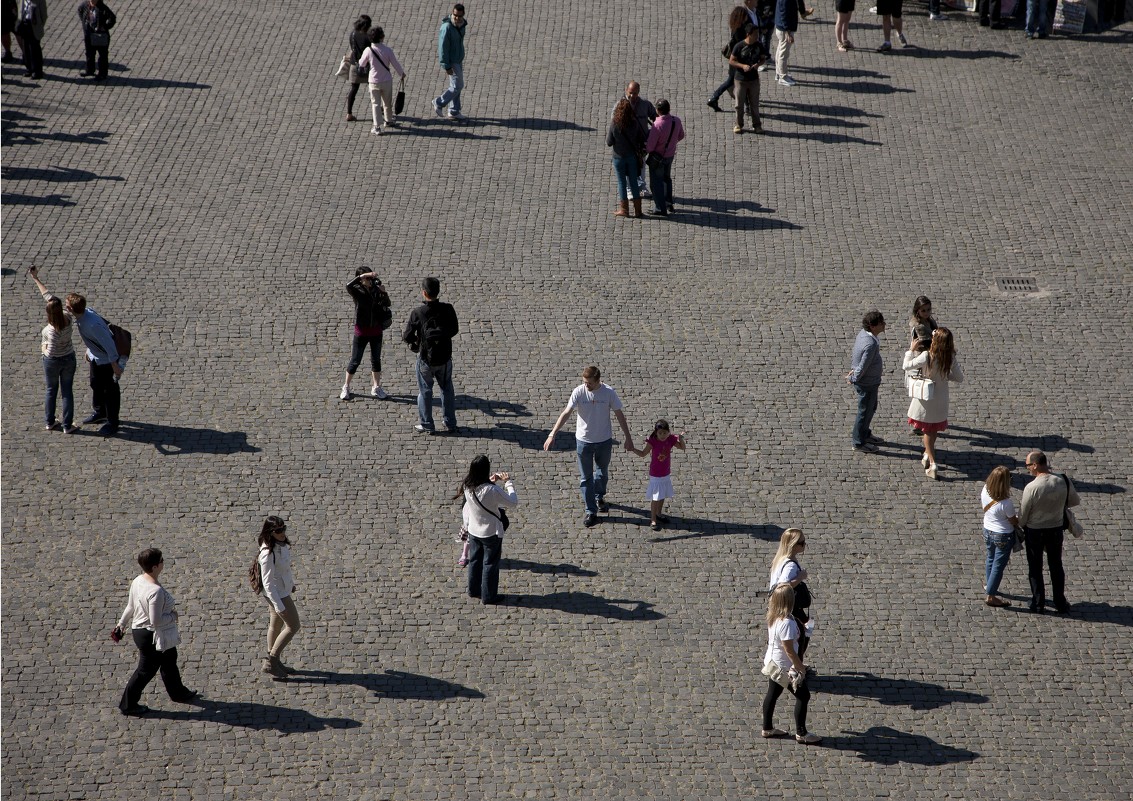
59 372
998 555
443 376
625 167
867 405
594 469
452 93
1036 16
484 567
661 184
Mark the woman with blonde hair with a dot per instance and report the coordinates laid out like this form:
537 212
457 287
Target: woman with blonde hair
784 667
785 569
930 413
1000 520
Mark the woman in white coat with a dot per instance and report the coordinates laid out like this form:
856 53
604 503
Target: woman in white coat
279 585
484 521
930 414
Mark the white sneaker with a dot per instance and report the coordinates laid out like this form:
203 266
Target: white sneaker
376 131
438 109
345 394
936 17
766 66
786 80
901 38
873 10
455 115
378 393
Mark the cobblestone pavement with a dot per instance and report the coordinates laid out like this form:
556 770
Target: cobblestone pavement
211 198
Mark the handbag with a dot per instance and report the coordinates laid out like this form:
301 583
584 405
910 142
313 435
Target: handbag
772 671
399 101
1069 519
343 68
1020 540
655 159
100 39
502 516
922 389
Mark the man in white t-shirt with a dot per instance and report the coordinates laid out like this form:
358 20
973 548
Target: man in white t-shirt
594 437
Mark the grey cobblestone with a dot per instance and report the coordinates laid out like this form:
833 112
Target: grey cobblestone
210 198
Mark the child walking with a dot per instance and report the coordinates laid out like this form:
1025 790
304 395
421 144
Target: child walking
660 444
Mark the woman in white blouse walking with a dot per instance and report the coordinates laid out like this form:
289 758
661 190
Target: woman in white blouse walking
279 584
151 614
484 521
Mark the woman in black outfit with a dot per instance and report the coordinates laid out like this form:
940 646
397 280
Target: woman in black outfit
357 40
372 315
738 21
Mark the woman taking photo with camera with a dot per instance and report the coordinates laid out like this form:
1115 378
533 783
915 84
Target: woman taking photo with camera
485 521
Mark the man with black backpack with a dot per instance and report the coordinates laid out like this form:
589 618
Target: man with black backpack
429 333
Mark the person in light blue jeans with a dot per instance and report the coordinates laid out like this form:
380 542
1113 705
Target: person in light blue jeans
59 361
627 139
1000 520
450 53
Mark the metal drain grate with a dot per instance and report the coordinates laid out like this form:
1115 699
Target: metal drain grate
1017 284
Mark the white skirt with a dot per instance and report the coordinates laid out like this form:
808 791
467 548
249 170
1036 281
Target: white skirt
659 488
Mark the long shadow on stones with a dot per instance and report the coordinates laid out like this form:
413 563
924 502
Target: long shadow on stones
828 111
561 569
261 717
838 72
177 440
66 71
526 124
695 528
954 55
823 137
805 121
16 199
1100 613
583 603
57 174
887 746
723 214
1050 443
858 87
918 695
18 127
423 126
390 684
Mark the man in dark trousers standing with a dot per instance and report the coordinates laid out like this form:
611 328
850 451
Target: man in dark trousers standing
429 333
97 19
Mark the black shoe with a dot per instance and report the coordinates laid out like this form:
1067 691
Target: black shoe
1062 609
714 105
188 697
1038 610
86 74
984 23
997 26
94 417
493 601
590 521
659 212
101 77
603 507
108 430
135 711
454 430
8 58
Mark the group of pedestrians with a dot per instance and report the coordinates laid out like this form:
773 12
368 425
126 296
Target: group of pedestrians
640 135
26 20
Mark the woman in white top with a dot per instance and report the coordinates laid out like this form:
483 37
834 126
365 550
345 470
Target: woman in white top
782 637
151 614
58 359
931 416
785 569
279 584
483 520
1000 520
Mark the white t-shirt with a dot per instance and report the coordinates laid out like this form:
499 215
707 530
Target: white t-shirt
594 410
785 628
786 571
995 518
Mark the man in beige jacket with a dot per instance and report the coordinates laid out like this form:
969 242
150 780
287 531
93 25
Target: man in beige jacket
1041 514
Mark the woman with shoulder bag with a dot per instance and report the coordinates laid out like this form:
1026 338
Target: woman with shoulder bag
928 409
372 316
485 520
785 569
151 614
1000 521
357 41
279 585
784 667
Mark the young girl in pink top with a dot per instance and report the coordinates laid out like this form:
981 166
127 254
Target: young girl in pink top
660 444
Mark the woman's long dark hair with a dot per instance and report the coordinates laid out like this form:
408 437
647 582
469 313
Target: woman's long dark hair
271 525
738 18
623 115
942 353
479 474
55 317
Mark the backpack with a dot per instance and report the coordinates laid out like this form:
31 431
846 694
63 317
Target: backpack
386 319
433 337
123 339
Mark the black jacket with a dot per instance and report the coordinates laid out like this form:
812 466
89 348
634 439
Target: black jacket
430 330
369 304
99 18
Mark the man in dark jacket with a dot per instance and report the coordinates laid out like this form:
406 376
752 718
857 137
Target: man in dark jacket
429 333
97 19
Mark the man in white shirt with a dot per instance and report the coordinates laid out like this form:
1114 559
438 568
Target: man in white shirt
593 401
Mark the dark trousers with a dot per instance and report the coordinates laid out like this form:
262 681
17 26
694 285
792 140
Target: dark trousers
350 97
1048 540
802 698
358 349
33 53
989 11
106 398
725 86
484 567
661 185
150 661
103 54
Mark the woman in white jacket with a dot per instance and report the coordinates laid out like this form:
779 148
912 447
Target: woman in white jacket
483 520
151 615
930 415
279 584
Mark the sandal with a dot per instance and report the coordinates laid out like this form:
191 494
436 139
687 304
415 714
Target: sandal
769 733
808 739
842 47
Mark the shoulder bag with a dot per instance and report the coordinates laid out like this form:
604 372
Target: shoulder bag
1017 544
502 516
655 159
1069 519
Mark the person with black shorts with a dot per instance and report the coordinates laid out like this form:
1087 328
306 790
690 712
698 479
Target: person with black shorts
890 13
845 9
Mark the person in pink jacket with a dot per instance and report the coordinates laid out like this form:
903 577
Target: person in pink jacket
660 149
